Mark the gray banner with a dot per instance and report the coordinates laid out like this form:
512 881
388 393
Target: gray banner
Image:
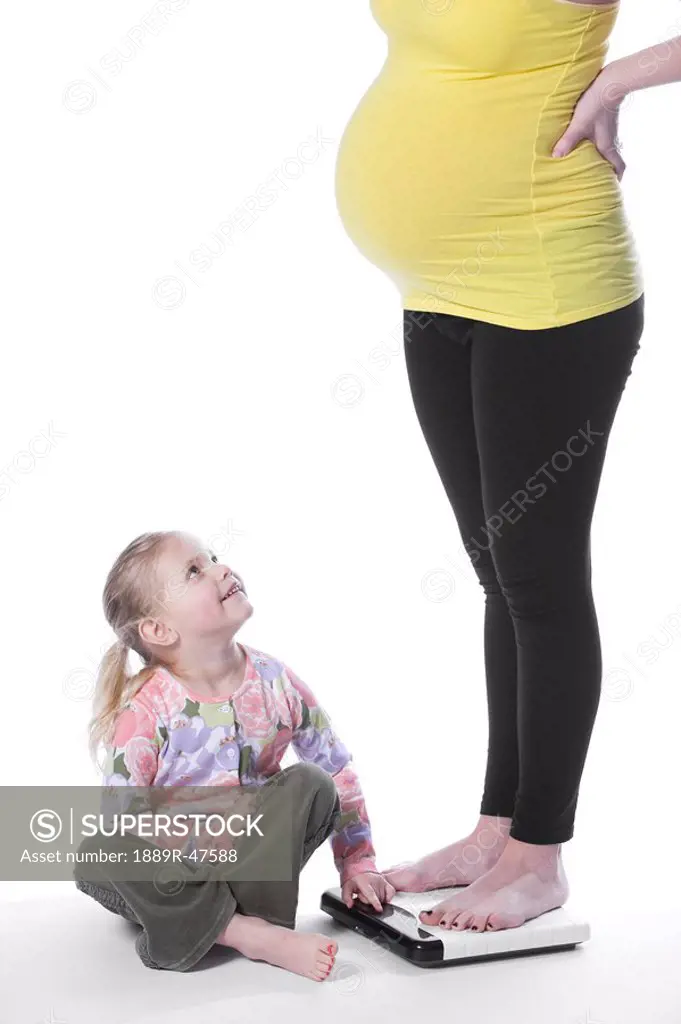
160 834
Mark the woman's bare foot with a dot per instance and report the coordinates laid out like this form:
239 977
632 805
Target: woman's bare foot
458 864
527 880
311 955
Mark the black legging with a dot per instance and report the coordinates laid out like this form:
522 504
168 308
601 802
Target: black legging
517 423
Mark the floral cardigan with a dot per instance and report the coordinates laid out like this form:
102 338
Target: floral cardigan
167 736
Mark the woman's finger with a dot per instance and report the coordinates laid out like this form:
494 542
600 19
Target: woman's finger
611 153
567 142
608 144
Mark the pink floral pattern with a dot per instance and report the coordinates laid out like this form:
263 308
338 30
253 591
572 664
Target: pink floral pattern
141 758
258 711
165 736
134 721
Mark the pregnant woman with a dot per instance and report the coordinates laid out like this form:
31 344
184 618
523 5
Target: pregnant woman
481 173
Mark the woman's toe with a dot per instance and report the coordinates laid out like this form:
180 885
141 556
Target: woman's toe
462 920
478 923
448 918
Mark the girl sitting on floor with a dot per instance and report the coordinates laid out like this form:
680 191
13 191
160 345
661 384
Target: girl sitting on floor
208 711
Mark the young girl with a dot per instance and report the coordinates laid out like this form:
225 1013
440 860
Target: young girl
208 711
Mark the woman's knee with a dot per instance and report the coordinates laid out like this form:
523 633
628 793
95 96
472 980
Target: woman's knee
548 589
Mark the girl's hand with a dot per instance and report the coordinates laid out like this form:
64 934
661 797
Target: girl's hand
370 887
596 117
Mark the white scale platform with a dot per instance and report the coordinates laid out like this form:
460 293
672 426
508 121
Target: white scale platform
399 929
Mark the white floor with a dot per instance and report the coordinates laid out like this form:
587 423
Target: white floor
65 960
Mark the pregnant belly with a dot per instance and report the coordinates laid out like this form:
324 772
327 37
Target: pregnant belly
428 172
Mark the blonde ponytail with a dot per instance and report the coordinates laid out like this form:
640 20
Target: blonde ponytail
127 599
113 689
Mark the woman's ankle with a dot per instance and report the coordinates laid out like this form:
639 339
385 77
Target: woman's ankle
498 821
492 832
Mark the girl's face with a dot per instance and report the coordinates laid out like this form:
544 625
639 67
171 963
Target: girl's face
192 592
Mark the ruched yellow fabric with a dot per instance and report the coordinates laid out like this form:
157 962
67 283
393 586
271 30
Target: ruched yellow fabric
444 175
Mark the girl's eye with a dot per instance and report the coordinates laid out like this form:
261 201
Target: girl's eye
213 558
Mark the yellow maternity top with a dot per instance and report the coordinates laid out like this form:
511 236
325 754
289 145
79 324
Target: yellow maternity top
445 178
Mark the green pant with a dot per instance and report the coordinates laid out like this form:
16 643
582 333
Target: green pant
178 930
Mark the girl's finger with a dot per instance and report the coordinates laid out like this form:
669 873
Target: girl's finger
372 898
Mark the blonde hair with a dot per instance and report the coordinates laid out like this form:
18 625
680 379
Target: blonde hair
127 599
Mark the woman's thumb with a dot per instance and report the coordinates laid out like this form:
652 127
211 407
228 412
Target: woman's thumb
613 156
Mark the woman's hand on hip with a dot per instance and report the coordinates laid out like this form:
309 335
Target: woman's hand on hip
596 118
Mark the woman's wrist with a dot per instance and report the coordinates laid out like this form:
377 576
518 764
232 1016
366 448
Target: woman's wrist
656 65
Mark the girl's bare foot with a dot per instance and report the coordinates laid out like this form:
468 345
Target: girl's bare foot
458 864
527 880
311 955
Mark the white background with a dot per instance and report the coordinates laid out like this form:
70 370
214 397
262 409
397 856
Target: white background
262 404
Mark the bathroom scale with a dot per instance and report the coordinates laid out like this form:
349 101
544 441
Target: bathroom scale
399 929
